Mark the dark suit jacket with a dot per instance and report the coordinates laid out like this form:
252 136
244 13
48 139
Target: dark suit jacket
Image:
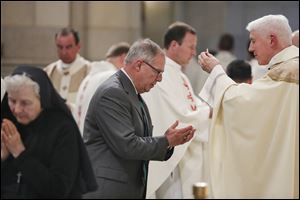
114 136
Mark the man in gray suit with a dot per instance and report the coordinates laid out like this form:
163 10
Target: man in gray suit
118 128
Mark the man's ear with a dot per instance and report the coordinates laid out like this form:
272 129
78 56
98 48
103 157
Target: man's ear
273 40
138 64
174 44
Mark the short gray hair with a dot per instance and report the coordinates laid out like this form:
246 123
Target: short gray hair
276 24
15 82
144 49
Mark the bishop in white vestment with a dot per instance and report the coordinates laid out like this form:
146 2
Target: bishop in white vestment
254 138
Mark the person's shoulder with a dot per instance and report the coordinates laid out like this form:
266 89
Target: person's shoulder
84 62
110 95
50 67
57 124
81 59
110 87
101 76
171 77
287 71
57 116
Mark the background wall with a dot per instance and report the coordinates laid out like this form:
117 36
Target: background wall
28 28
213 18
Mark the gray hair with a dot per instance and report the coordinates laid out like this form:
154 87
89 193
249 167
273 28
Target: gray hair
144 49
275 24
18 81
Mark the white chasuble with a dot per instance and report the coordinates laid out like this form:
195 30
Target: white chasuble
254 137
66 78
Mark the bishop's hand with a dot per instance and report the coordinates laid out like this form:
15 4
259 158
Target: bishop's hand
207 61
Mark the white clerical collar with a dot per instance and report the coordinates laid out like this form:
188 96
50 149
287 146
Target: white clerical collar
129 79
172 63
284 55
65 66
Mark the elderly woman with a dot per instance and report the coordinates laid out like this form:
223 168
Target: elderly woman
42 154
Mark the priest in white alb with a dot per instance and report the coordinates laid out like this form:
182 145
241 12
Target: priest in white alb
101 70
173 99
254 137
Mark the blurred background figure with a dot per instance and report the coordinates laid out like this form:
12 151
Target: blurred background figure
225 50
3 89
295 38
68 72
114 58
42 153
100 71
239 71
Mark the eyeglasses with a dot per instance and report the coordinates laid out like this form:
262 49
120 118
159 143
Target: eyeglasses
159 73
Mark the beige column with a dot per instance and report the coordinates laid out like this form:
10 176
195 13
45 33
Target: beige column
109 23
27 32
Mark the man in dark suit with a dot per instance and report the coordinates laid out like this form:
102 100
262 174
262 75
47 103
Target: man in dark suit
118 128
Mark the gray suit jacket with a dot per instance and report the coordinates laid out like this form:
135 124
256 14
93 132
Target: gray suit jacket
114 136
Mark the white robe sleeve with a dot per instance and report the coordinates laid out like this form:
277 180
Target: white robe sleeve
254 137
210 91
